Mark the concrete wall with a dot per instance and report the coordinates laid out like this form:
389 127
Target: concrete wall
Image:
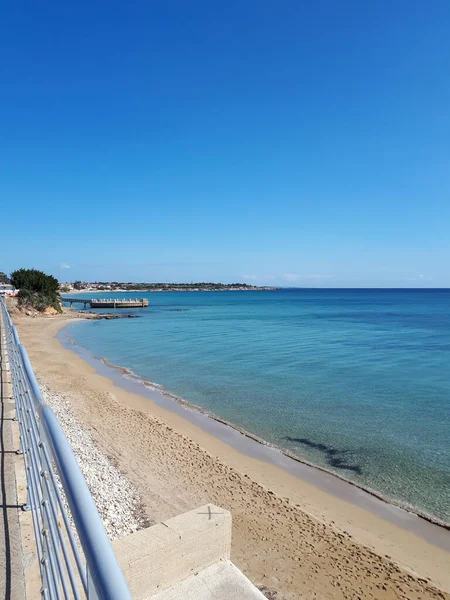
169 553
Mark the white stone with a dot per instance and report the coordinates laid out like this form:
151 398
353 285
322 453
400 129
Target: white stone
117 500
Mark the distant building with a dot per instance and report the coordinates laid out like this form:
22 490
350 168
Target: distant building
7 289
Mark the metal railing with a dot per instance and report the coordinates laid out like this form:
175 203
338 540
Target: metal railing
68 569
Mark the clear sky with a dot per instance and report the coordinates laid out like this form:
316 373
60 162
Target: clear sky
285 142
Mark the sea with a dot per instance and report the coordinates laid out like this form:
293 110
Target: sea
355 381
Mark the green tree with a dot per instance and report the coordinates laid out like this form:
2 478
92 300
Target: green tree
4 278
78 285
36 289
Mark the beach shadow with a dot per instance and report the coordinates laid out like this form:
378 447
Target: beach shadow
335 458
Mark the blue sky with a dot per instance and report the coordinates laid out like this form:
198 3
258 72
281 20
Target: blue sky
293 143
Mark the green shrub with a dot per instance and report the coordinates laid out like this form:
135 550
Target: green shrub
36 289
36 281
37 301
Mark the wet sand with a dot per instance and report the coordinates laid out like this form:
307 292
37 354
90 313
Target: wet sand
297 531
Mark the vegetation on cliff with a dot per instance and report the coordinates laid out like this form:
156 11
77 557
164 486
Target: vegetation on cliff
36 290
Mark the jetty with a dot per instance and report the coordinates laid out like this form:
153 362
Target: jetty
108 302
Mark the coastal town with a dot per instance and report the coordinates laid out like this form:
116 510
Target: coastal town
115 286
6 287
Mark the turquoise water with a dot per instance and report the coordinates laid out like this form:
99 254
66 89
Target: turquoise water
355 381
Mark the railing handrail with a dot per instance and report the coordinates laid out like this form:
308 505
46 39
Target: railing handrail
105 578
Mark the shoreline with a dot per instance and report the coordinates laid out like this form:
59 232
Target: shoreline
290 536
161 290
112 370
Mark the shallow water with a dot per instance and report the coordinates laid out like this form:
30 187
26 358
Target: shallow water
355 381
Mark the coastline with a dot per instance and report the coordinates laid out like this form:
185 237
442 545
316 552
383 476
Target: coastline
269 453
173 289
290 539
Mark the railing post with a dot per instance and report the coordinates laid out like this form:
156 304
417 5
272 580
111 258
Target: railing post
45 525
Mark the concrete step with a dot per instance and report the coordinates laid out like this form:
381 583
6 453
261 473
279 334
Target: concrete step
187 556
220 581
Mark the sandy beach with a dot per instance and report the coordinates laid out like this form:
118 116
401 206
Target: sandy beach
293 536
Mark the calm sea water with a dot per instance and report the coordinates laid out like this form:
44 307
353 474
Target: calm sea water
355 381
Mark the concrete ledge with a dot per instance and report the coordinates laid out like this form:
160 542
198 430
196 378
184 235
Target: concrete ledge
220 581
166 554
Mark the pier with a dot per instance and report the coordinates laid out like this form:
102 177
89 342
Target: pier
108 302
